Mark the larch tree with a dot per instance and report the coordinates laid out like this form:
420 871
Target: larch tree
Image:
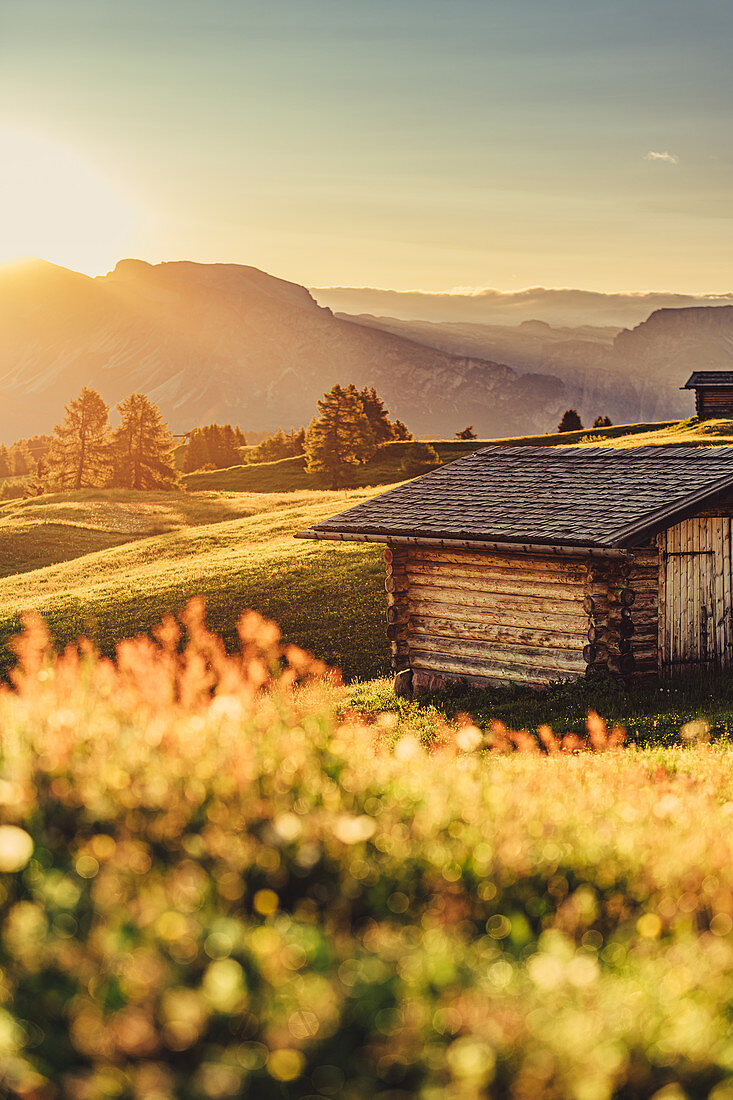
340 438
142 446
79 453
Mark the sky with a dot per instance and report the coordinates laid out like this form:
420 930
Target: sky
409 144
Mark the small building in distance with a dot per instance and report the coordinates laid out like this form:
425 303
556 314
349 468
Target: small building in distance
533 564
713 393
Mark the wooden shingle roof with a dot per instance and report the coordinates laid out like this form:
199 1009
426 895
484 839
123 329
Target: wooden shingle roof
701 378
555 496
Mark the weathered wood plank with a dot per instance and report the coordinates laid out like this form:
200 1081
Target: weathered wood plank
519 562
501 616
487 576
498 607
525 656
527 588
500 672
489 632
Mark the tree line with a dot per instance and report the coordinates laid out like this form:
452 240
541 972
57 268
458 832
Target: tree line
213 447
85 452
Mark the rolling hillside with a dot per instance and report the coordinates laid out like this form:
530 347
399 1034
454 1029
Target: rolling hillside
123 576
222 342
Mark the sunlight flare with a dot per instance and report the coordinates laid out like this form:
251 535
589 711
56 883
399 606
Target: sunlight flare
56 206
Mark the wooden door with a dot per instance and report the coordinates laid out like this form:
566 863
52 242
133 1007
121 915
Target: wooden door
695 628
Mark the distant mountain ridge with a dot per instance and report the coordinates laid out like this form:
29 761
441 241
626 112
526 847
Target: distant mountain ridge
632 375
558 306
228 342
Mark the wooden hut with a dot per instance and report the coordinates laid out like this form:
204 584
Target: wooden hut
713 393
532 564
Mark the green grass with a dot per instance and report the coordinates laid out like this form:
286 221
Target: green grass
651 714
44 530
326 597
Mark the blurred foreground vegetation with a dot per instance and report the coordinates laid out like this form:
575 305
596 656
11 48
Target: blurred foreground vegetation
217 880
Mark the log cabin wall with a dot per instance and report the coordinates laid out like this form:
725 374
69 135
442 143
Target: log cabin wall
714 401
643 582
485 617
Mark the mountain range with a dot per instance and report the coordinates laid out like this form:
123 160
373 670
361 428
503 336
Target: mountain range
631 375
229 343
224 342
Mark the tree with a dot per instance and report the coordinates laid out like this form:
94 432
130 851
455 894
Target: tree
5 467
196 454
466 433
420 458
401 431
570 422
279 445
340 438
602 422
38 484
376 414
298 441
79 455
141 446
21 459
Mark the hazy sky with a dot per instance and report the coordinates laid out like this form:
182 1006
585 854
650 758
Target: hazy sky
397 143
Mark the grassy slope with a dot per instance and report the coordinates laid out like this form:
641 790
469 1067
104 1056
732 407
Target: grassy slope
327 597
708 432
60 527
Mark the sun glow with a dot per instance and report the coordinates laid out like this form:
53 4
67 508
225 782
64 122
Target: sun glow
55 206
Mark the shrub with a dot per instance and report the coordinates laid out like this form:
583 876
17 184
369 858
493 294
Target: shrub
420 457
215 881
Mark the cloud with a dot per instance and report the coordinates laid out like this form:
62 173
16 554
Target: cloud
665 157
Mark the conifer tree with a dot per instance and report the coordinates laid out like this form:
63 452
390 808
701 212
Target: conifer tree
570 422
79 456
196 455
340 438
21 459
230 446
376 414
5 467
141 446
401 431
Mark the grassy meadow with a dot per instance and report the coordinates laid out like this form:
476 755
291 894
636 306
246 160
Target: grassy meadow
107 564
217 880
